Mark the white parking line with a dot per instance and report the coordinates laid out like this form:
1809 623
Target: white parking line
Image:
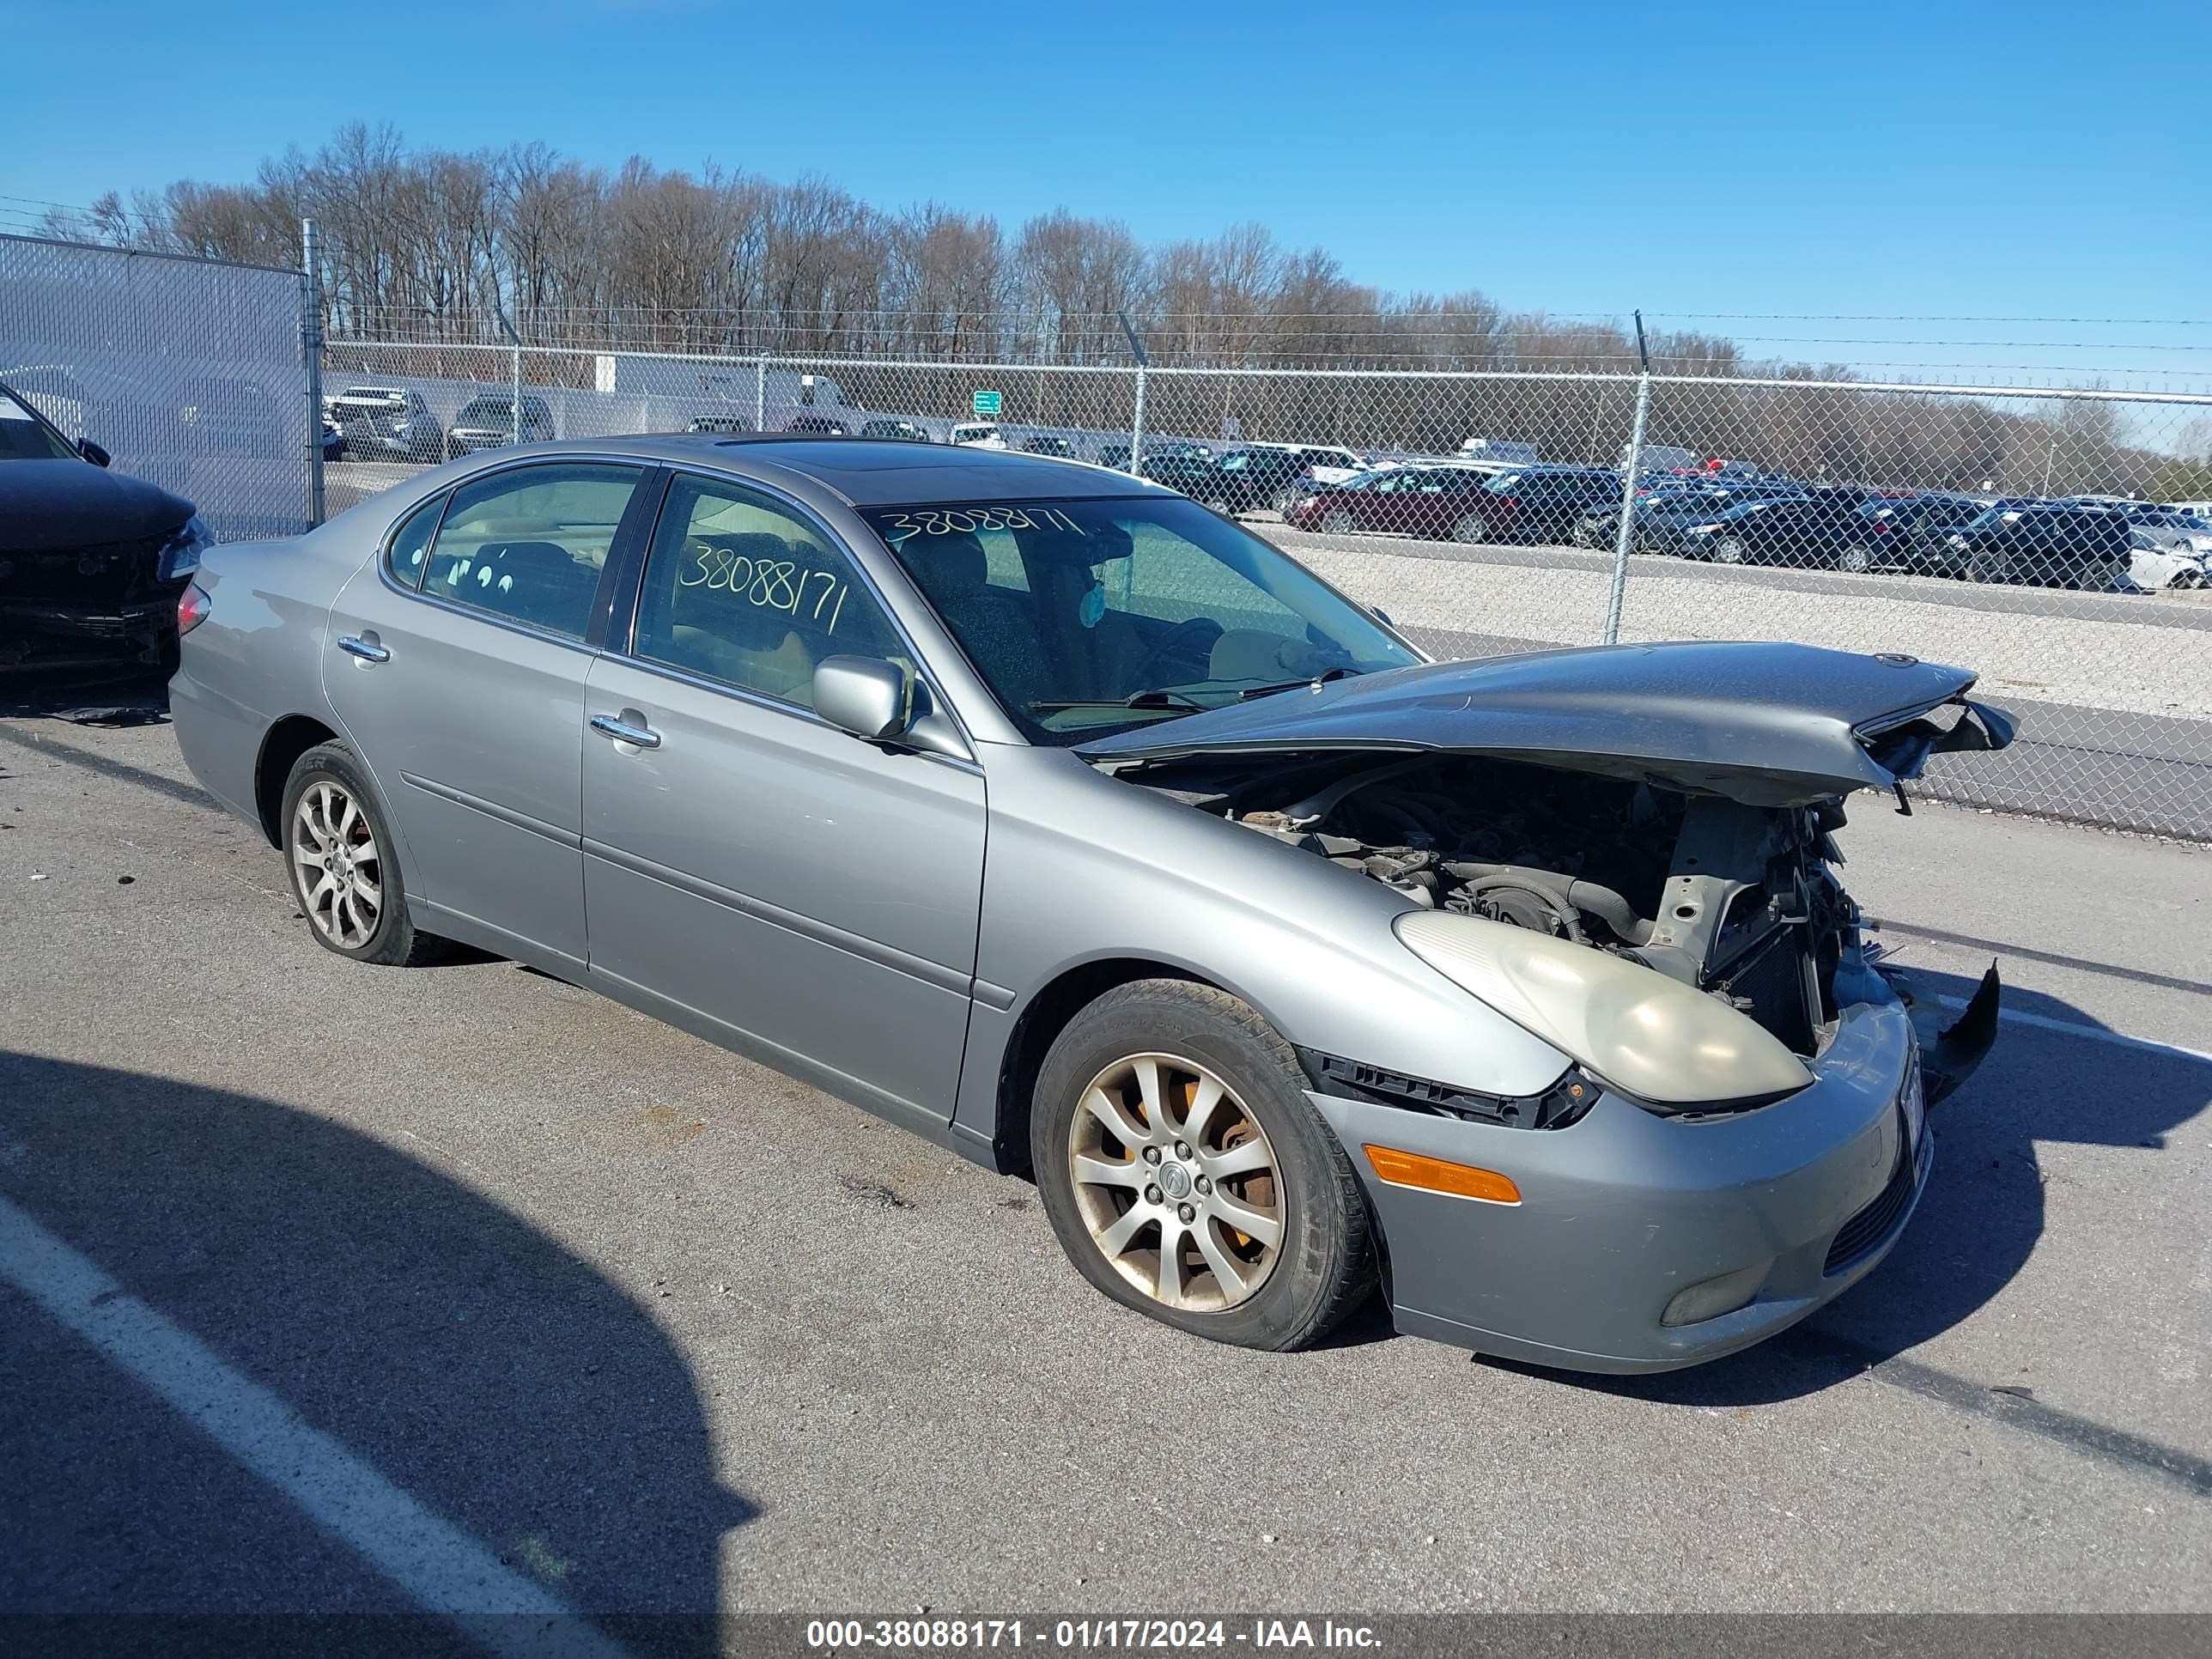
2095 1033
440 1567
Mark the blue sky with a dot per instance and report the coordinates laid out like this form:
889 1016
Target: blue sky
1972 161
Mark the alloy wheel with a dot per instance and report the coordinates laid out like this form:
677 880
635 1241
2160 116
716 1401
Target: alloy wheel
1176 1183
1471 530
1729 550
338 867
1338 523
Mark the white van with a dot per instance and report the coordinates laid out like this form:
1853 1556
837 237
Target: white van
979 434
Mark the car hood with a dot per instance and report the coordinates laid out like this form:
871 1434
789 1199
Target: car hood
46 505
1768 725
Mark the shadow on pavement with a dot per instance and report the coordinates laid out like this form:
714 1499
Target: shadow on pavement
136 699
467 1357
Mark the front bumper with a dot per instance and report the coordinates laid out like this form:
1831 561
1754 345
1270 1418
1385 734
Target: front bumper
1623 1210
39 637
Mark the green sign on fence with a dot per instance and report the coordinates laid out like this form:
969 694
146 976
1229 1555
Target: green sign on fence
987 403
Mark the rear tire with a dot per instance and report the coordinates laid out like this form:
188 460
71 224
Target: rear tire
1730 550
1338 523
1176 1104
1854 560
1471 529
343 869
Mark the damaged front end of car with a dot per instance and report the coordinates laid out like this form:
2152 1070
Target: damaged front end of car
1589 802
1630 854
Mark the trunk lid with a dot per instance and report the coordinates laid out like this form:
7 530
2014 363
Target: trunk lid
1768 725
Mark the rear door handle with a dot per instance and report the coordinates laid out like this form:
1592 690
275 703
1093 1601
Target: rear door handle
621 731
367 650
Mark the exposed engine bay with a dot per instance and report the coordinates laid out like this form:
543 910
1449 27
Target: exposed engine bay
1734 899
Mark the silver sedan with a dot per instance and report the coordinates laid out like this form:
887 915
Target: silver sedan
1056 819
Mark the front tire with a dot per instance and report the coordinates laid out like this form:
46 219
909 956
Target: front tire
1472 530
345 874
1730 550
1337 523
1186 1176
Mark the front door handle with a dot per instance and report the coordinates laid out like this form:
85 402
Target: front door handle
622 730
367 650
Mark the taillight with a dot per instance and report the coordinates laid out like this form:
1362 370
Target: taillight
192 607
1880 526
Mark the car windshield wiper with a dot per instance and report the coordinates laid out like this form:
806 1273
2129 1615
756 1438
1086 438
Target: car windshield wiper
1321 678
1174 700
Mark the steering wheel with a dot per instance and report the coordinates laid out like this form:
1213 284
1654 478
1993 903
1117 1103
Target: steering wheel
1166 643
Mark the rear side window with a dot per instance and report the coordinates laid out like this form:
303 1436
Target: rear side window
410 543
528 544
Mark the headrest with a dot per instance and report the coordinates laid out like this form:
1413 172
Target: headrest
947 568
549 557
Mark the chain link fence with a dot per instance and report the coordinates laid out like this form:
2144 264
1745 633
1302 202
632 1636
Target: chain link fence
2042 536
2045 536
189 373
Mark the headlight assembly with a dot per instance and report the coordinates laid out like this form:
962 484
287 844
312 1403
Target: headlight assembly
1653 1038
180 553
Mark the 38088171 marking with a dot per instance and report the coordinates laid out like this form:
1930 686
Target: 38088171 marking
842 1635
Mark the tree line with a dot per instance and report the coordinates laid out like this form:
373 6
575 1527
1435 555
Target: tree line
433 245
435 248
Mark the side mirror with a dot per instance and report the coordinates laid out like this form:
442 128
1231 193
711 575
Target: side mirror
865 696
92 453
1382 616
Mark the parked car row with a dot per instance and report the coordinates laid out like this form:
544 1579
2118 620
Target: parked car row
2093 544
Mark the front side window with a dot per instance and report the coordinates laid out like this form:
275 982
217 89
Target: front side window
741 590
1125 611
528 544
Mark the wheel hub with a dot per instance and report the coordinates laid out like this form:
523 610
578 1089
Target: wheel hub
1176 1183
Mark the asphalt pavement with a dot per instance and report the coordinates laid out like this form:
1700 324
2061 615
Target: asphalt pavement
297 1257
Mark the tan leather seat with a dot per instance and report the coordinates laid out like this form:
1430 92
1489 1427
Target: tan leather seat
718 631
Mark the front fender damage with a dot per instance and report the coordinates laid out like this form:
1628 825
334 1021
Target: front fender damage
1949 1054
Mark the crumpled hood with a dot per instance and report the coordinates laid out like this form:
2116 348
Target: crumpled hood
49 505
1768 725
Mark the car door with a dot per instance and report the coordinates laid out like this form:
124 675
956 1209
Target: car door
456 663
750 870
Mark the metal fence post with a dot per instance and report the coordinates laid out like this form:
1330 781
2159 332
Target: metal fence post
1624 535
311 350
760 395
1137 416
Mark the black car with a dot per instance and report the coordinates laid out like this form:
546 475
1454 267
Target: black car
386 423
1810 529
92 563
2046 544
1265 476
1198 476
1063 448
1910 533
490 423
1663 516
889 427
1540 505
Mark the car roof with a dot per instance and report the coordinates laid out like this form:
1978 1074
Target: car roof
867 471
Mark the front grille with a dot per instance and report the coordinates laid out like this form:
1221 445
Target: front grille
1871 1224
105 576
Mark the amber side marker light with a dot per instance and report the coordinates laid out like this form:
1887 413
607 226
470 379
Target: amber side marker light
1435 1175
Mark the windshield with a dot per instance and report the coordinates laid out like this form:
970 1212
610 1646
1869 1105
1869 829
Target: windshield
1086 618
25 437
